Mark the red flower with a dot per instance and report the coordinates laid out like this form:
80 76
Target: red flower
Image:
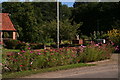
21 65
78 60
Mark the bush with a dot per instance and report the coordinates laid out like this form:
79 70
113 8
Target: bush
29 59
97 52
36 46
21 45
114 36
15 44
11 44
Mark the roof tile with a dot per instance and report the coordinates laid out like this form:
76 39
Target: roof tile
6 23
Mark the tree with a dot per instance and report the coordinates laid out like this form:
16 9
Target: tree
22 14
67 31
65 12
29 18
95 16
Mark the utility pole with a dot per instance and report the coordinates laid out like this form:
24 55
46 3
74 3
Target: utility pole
58 24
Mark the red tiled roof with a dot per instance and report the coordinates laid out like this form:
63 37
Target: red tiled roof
5 23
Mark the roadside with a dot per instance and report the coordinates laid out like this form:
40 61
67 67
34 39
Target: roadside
103 69
31 72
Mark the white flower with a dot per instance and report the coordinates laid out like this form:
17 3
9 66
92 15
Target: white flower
31 63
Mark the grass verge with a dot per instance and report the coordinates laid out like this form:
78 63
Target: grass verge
30 72
4 51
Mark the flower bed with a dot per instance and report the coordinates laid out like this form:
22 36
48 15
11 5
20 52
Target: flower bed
30 59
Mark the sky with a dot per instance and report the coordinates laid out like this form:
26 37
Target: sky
69 4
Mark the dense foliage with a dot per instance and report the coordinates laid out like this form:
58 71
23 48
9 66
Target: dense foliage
114 36
16 44
96 16
37 21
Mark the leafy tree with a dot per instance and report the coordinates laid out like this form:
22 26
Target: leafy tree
67 31
96 16
22 14
65 12
29 18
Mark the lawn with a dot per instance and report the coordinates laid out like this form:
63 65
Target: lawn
5 51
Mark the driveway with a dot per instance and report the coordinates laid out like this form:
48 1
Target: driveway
103 69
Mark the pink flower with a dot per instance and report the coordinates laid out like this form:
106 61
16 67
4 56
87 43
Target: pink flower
18 53
23 51
60 53
56 50
31 51
0 42
28 44
112 43
73 55
96 44
31 63
28 47
15 60
52 53
117 48
83 46
39 53
45 51
0 64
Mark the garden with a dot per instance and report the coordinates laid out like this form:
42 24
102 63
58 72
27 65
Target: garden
30 59
36 46
19 56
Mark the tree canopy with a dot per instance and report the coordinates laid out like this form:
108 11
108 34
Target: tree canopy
96 16
37 21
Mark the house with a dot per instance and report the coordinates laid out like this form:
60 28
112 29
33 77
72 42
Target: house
7 30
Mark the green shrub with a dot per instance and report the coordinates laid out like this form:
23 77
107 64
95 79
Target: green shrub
21 45
36 46
97 52
11 44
